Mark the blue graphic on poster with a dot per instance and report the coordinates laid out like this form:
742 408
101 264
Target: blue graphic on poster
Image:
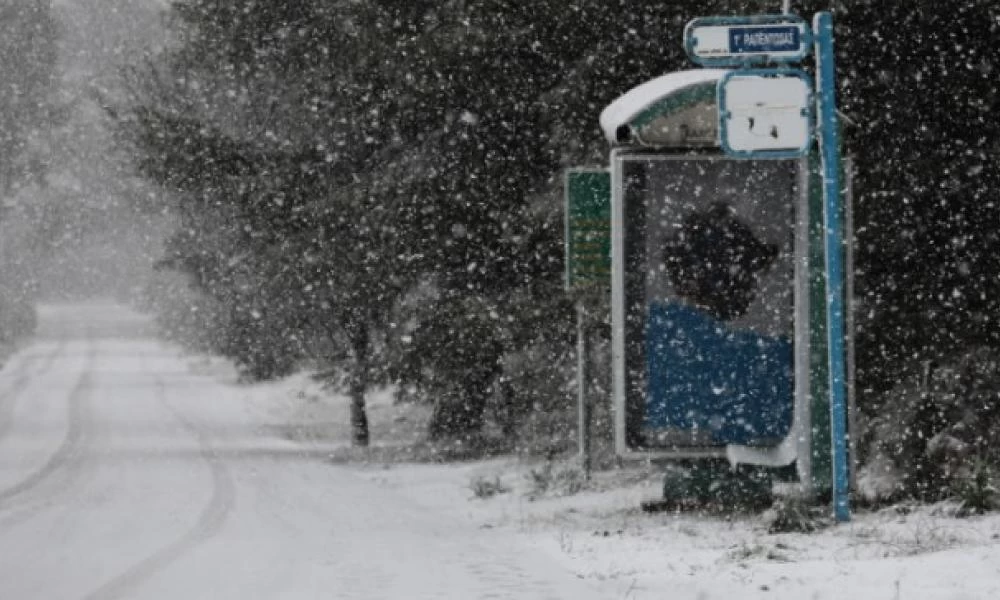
747 404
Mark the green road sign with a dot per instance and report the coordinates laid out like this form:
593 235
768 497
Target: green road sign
588 227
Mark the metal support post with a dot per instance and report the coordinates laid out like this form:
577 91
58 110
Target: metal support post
583 376
849 319
833 237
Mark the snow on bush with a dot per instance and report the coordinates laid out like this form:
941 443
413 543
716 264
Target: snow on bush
933 430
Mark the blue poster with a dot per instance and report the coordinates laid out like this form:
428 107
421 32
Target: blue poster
734 385
710 309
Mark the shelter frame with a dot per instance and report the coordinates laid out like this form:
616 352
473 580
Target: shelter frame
796 447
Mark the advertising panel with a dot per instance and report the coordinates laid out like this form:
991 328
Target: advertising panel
707 310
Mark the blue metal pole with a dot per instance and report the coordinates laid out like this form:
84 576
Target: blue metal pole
829 138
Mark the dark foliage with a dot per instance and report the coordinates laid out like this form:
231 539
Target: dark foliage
27 41
28 44
374 185
922 126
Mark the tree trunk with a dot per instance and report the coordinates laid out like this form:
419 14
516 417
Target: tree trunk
510 412
358 386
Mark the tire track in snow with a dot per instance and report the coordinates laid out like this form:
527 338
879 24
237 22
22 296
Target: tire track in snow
78 401
65 467
211 520
16 373
22 377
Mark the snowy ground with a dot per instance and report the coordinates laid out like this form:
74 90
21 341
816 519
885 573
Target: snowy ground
603 537
600 534
126 474
128 470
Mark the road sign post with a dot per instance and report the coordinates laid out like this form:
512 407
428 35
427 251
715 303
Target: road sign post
829 141
588 263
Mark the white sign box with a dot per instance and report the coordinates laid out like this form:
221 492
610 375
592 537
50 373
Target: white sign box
765 113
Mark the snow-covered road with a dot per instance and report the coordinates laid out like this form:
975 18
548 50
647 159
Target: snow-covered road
123 474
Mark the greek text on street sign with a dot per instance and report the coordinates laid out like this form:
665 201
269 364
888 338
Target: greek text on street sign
737 41
588 227
768 39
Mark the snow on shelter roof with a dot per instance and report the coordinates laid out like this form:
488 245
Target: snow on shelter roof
632 103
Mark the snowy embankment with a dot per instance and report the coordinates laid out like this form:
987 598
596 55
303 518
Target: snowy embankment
601 534
598 531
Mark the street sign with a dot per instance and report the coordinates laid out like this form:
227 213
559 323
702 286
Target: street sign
766 39
765 113
588 227
740 41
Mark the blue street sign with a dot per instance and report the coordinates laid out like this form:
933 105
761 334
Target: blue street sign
747 40
742 41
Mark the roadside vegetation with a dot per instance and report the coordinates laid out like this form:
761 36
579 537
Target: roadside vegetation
28 108
372 190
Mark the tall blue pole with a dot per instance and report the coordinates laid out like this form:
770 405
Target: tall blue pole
829 140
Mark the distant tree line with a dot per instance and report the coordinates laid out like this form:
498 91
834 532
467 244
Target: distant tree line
375 186
28 36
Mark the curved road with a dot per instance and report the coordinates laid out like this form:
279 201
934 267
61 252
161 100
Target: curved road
124 475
